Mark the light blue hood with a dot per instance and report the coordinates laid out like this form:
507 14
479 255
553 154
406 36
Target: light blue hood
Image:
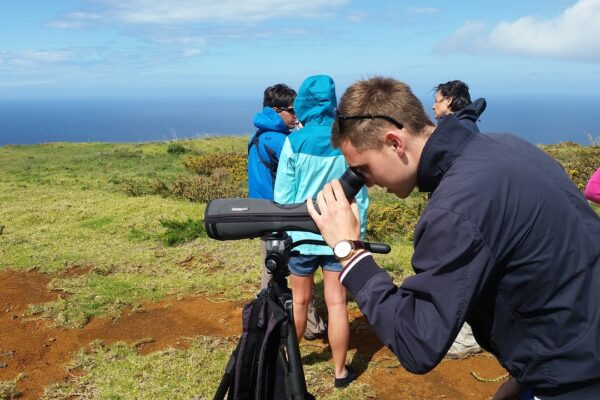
315 103
308 161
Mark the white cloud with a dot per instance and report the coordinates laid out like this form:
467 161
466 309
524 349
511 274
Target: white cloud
423 10
469 37
92 59
25 82
574 34
33 58
356 16
75 20
195 11
191 53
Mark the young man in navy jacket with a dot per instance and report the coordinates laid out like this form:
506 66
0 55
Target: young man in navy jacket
506 243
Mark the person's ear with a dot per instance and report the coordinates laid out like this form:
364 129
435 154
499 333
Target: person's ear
395 141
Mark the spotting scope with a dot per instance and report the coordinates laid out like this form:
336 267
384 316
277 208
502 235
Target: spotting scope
242 218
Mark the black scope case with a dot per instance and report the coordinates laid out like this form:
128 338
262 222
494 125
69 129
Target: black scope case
242 218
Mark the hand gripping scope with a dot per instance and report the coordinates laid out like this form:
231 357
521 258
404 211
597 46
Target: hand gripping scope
242 218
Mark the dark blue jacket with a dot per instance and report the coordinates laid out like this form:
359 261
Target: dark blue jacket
506 243
264 149
471 113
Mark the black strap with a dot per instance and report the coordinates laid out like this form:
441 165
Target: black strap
248 364
273 161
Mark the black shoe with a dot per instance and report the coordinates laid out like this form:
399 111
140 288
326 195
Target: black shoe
309 336
343 382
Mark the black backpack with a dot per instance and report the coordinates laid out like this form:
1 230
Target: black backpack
258 367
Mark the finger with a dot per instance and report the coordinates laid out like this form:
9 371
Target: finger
338 191
311 209
328 192
324 196
355 210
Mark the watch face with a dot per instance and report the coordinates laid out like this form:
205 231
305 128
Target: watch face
342 249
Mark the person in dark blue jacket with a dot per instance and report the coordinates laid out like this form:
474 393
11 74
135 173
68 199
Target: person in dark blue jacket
506 242
453 97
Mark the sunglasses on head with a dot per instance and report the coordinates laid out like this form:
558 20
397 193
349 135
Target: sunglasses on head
339 118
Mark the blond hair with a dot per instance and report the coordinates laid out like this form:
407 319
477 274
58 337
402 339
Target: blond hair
377 97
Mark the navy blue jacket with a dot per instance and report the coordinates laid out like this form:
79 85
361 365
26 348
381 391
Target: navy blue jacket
506 243
471 113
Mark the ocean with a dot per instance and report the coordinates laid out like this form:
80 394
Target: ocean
540 120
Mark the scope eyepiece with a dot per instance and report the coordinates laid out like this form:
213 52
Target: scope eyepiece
352 181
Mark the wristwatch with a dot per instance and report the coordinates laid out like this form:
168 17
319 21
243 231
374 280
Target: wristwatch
346 248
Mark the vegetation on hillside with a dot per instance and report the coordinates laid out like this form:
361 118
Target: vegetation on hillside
580 162
128 217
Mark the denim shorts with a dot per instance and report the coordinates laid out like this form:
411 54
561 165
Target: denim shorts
307 265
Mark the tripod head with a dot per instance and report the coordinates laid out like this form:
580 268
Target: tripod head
278 246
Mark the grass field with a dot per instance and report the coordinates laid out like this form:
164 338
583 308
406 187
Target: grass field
84 207
70 206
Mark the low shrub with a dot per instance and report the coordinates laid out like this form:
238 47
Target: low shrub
136 187
176 148
217 175
8 389
580 162
205 188
179 232
391 220
234 163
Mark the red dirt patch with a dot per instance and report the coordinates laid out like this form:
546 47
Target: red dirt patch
41 352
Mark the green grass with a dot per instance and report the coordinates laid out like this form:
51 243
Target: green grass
66 206
119 372
62 205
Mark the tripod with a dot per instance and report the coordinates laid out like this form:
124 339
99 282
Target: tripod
278 247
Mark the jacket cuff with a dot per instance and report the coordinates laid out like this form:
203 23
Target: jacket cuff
358 272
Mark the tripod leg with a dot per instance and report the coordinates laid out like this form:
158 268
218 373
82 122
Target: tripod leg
226 381
296 380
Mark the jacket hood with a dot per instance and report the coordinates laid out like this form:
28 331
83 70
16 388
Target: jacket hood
316 102
472 111
443 146
269 120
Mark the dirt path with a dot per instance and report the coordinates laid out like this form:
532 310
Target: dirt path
41 352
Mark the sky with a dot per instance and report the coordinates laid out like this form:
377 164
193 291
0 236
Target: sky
235 48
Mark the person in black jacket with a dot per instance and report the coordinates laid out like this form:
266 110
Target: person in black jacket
506 242
453 97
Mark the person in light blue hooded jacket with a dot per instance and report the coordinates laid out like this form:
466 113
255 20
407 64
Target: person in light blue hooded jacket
307 162
273 125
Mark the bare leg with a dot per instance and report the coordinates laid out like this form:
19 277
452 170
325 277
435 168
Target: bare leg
301 295
338 329
315 325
